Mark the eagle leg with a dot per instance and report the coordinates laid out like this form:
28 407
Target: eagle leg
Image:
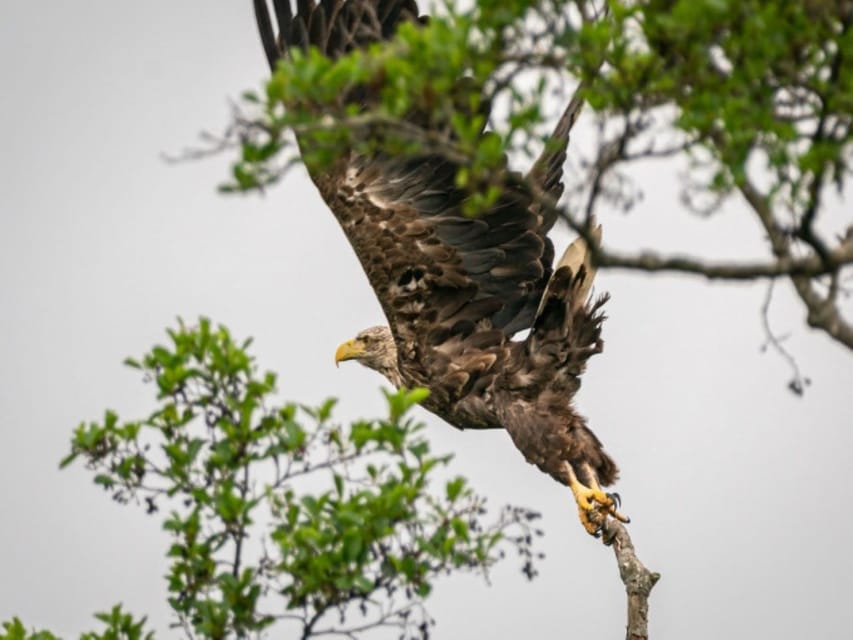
594 505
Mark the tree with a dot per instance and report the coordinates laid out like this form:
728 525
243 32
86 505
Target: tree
277 515
751 101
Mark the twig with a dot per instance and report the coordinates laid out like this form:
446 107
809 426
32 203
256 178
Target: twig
798 383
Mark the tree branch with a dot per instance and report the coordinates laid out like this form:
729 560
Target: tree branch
822 312
786 265
638 580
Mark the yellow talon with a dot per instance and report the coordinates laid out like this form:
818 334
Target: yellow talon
593 503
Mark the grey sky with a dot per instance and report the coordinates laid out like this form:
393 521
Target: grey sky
740 492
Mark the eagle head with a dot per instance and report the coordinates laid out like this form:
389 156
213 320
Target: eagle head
375 349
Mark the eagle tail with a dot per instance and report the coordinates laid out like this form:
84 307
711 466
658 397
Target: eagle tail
567 327
576 256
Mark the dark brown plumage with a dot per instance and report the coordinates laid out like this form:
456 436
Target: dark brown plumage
456 289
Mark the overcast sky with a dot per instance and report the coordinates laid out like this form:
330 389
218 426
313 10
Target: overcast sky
739 491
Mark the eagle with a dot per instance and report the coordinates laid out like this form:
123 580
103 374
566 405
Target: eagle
456 289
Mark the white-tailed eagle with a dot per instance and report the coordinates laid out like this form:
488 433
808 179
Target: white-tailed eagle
454 288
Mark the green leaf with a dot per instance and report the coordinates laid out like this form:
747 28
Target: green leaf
352 546
325 410
454 488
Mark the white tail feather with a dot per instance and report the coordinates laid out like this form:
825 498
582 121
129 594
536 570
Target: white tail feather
577 254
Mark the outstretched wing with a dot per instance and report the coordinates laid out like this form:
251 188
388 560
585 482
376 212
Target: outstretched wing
442 277
547 171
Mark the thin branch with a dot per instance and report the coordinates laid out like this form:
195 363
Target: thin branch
308 628
392 617
798 383
638 580
240 534
806 230
184 623
809 267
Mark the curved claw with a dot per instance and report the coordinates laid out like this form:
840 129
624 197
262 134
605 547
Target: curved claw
612 507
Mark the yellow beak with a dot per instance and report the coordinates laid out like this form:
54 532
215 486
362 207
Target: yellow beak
349 350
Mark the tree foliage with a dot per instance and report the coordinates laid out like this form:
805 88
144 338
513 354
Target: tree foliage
752 98
277 514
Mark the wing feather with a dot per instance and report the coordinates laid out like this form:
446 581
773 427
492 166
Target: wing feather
547 171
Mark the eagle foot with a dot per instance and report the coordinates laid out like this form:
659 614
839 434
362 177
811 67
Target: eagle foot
594 505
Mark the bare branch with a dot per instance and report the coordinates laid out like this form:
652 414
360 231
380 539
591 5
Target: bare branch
809 267
638 580
798 383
